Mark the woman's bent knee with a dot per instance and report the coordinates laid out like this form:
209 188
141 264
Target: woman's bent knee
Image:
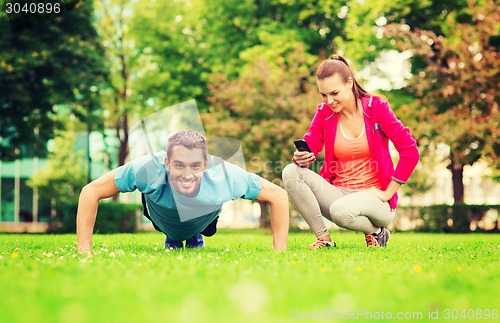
340 214
290 171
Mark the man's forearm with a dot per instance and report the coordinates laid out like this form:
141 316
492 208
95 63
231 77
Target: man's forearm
280 220
91 194
85 220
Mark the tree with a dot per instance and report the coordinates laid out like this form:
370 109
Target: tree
56 62
152 58
172 54
456 88
113 27
183 43
365 37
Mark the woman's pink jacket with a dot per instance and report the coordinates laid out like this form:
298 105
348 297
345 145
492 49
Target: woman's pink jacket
381 126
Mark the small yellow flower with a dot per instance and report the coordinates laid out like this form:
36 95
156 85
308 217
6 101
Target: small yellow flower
294 262
323 269
359 269
459 269
417 268
14 255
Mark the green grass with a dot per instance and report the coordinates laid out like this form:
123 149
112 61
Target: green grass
237 278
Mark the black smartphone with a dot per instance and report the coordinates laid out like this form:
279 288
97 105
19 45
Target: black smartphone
301 145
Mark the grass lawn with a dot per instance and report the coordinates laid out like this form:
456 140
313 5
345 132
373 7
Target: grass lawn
237 278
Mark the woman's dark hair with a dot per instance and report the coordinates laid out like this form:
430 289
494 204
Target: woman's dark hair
336 64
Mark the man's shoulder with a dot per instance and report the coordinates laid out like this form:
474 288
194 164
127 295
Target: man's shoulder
236 179
145 169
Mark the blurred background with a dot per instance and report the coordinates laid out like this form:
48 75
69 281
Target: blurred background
74 82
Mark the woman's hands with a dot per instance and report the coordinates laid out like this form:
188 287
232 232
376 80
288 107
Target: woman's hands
303 158
382 195
388 193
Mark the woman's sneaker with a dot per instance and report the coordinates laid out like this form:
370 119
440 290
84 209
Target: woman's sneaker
371 241
383 237
318 244
378 240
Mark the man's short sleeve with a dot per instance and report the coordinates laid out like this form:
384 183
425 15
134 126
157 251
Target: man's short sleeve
244 184
254 186
139 174
125 178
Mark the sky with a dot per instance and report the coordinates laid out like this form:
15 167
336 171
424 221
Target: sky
389 71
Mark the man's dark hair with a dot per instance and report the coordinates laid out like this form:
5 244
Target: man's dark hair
190 139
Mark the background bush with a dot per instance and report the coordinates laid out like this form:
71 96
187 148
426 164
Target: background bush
111 218
451 218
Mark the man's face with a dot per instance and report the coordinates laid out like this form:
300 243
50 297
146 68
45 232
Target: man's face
185 169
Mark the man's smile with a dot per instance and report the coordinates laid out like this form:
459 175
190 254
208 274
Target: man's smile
187 183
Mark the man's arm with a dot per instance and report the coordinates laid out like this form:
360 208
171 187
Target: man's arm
278 199
91 194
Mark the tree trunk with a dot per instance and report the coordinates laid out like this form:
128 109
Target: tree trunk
89 158
265 221
123 150
457 172
122 129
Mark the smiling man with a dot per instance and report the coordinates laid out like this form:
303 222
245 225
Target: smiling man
183 190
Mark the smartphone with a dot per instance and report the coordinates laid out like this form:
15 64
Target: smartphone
301 145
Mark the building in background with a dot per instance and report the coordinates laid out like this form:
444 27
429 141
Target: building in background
21 208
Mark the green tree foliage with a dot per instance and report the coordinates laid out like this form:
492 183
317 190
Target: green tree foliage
172 54
56 62
316 22
229 28
365 37
183 43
